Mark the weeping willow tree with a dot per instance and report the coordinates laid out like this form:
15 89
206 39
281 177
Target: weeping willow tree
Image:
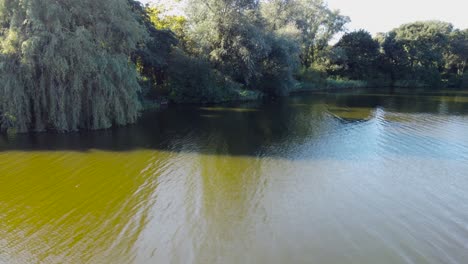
64 65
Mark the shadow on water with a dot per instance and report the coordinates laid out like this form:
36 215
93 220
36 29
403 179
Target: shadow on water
279 129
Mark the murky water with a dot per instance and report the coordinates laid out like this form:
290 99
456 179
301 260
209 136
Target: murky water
362 177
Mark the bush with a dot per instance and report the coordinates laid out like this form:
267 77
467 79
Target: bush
316 78
312 78
192 80
345 84
410 84
464 81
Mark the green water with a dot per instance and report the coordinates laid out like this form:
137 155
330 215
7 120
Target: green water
361 177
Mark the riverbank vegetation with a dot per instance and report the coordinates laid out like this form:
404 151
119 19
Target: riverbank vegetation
71 65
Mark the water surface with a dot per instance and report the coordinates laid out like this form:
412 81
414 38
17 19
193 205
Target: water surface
359 177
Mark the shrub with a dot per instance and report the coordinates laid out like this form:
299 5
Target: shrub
192 80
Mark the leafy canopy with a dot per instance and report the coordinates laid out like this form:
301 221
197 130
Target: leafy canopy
64 65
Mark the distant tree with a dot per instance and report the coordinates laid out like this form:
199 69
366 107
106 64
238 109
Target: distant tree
234 37
162 21
281 63
361 55
456 58
230 34
416 51
153 54
194 80
317 23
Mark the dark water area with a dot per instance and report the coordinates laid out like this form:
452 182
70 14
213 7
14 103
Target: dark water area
368 176
246 129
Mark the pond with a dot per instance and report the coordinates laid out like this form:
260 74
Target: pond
368 176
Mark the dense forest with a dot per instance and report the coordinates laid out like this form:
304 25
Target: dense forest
70 65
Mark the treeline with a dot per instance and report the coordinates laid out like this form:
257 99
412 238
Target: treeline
70 65
421 54
234 49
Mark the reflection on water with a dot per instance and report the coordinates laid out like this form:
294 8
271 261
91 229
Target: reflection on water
363 177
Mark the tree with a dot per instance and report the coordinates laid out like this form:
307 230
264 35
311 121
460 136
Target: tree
152 55
230 33
361 55
64 65
233 36
456 58
281 63
175 23
416 51
317 23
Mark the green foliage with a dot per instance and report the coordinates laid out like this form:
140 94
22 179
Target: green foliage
192 80
152 55
416 51
281 63
175 23
230 33
64 65
317 23
361 54
419 54
464 81
456 59
234 38
68 65
316 78
345 84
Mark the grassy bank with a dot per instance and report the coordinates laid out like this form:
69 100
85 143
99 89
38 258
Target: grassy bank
331 84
